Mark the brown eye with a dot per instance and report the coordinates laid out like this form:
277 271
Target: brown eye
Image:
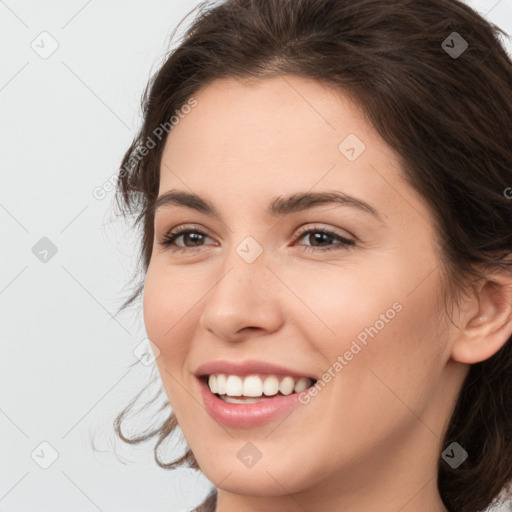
190 237
319 236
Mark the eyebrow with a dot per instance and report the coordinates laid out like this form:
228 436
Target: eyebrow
279 206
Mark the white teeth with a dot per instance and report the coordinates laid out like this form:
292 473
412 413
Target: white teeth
252 386
221 384
234 386
255 386
231 400
302 384
212 382
271 386
286 385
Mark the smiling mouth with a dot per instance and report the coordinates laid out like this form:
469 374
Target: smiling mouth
236 389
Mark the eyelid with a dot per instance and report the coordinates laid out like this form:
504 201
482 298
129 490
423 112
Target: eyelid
317 227
180 230
343 245
344 242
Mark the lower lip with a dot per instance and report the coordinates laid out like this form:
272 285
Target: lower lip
246 415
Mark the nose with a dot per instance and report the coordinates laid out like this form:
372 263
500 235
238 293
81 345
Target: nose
243 302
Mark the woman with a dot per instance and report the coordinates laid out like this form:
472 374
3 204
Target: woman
323 188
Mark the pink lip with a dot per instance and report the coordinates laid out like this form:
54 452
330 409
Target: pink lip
246 368
246 415
251 414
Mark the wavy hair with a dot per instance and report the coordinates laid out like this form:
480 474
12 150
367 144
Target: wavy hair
447 117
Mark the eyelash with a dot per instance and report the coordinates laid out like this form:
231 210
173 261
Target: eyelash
169 239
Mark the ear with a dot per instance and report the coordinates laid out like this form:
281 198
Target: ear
487 323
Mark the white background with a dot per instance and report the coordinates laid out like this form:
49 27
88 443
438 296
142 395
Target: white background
66 366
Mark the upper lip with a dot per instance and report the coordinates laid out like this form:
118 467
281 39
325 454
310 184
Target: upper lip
248 367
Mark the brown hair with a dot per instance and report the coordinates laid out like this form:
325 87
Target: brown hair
447 116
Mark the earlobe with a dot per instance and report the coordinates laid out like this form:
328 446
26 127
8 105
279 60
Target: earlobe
490 328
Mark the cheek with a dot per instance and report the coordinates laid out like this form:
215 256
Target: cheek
165 301
168 313
337 305
397 367
386 334
378 306
170 323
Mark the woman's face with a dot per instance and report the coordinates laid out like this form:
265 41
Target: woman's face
248 286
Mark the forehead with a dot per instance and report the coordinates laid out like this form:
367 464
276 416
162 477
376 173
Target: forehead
259 119
278 135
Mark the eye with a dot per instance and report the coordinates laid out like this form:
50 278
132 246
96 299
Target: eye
194 236
324 235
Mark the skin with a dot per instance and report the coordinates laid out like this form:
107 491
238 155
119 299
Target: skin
371 438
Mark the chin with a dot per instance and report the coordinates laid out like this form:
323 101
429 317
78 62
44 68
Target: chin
264 479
